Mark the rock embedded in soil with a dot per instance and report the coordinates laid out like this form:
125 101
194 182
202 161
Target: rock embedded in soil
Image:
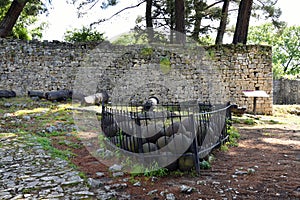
186 189
137 184
115 168
118 174
170 196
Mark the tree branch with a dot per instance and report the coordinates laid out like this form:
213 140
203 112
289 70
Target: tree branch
207 7
295 67
94 4
264 3
120 11
287 65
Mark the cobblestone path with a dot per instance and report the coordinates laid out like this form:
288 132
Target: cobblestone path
27 171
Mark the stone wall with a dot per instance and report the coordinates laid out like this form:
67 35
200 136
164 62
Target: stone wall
286 91
246 68
215 74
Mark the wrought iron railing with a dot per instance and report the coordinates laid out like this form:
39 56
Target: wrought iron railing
168 133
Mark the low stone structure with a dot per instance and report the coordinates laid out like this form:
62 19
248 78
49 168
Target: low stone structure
216 74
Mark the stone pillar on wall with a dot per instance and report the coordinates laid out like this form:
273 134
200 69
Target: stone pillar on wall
246 68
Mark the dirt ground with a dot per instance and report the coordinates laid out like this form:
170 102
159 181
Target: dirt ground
265 165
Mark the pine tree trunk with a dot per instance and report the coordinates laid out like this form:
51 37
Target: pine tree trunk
223 22
11 17
179 21
242 24
172 23
198 18
149 21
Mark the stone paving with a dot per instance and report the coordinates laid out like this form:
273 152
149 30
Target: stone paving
27 171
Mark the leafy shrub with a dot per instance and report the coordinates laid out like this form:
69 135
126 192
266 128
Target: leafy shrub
83 35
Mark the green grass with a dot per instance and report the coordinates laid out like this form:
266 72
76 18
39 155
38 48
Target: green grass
70 144
205 165
224 147
46 144
32 131
28 190
274 121
177 173
234 136
249 121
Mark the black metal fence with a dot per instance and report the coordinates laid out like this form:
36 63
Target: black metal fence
174 135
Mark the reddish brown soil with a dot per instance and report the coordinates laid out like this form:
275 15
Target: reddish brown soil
273 152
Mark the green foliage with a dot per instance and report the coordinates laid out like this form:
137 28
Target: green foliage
211 53
83 35
148 51
249 121
265 34
274 121
234 136
131 39
288 50
224 147
177 173
83 175
266 9
155 171
206 40
163 13
205 165
26 27
46 144
139 169
28 190
165 64
285 47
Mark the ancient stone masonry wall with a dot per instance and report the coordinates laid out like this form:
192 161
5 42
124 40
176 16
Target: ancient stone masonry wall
215 74
37 65
245 68
286 91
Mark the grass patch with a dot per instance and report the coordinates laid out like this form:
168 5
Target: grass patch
153 170
224 147
271 121
28 190
249 121
72 145
46 144
233 138
236 120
